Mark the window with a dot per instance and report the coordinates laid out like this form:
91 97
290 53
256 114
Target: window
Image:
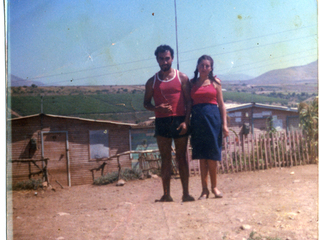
99 144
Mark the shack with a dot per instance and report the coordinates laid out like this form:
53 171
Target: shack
257 117
72 146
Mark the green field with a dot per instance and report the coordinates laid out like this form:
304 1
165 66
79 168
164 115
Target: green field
127 107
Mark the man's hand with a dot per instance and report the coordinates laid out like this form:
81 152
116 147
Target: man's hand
183 127
164 108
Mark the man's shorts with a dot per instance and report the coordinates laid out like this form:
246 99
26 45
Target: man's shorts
167 127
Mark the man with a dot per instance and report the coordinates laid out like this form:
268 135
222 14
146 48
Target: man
170 90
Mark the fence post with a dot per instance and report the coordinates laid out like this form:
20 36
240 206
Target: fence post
244 151
278 136
273 142
253 151
249 153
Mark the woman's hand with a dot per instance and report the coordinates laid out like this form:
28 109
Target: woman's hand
225 131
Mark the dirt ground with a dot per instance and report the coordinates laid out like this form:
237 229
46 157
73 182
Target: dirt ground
280 203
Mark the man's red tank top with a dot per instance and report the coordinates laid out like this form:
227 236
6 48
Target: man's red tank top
169 91
204 94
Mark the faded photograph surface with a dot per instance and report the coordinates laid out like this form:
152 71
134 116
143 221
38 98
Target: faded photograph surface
161 119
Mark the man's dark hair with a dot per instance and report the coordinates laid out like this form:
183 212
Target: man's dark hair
163 48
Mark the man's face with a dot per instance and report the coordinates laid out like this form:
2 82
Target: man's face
165 60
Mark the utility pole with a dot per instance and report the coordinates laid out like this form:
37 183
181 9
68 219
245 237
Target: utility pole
41 111
175 10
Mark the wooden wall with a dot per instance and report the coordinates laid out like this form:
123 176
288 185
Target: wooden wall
238 117
22 130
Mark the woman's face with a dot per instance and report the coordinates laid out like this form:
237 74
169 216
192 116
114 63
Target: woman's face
204 67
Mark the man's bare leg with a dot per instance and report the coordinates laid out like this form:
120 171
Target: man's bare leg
164 145
181 148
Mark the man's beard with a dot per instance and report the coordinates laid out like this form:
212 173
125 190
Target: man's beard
165 67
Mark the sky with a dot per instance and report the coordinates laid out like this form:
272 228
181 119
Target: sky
86 42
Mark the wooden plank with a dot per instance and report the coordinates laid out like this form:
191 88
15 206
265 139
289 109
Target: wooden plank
244 152
294 152
260 144
290 148
284 145
235 153
297 148
301 148
248 147
278 137
226 154
307 149
265 143
230 155
273 141
253 151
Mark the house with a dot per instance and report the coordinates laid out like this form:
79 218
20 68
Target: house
72 145
257 117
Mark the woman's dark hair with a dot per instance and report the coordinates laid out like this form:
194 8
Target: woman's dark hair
163 48
211 77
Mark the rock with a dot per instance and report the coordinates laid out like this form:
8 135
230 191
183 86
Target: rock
63 214
154 176
45 184
292 173
121 182
245 227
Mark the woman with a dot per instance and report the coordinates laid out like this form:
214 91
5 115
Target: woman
208 122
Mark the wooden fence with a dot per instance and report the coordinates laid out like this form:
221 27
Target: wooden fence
257 152
250 152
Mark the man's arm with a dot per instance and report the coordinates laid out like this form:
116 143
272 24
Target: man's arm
148 95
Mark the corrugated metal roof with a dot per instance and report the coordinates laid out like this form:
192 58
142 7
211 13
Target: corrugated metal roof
234 107
77 118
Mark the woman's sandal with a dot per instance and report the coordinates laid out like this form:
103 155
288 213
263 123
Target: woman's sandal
205 194
216 195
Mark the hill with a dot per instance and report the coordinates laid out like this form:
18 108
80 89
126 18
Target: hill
15 81
292 75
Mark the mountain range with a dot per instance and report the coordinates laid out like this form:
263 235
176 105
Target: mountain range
300 74
15 81
291 75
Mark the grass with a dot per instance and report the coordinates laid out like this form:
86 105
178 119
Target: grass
96 104
253 236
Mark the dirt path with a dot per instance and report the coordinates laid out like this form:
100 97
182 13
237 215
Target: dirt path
279 203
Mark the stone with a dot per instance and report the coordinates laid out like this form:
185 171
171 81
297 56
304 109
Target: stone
121 182
245 227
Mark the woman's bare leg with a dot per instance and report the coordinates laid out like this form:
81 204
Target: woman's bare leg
204 178
213 168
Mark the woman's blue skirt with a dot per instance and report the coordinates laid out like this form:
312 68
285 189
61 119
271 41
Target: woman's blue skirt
206 132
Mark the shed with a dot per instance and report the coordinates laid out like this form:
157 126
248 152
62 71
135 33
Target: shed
257 117
72 145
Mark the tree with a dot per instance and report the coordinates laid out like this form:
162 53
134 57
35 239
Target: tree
308 114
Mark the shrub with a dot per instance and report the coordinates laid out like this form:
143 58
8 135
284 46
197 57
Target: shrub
126 174
28 185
